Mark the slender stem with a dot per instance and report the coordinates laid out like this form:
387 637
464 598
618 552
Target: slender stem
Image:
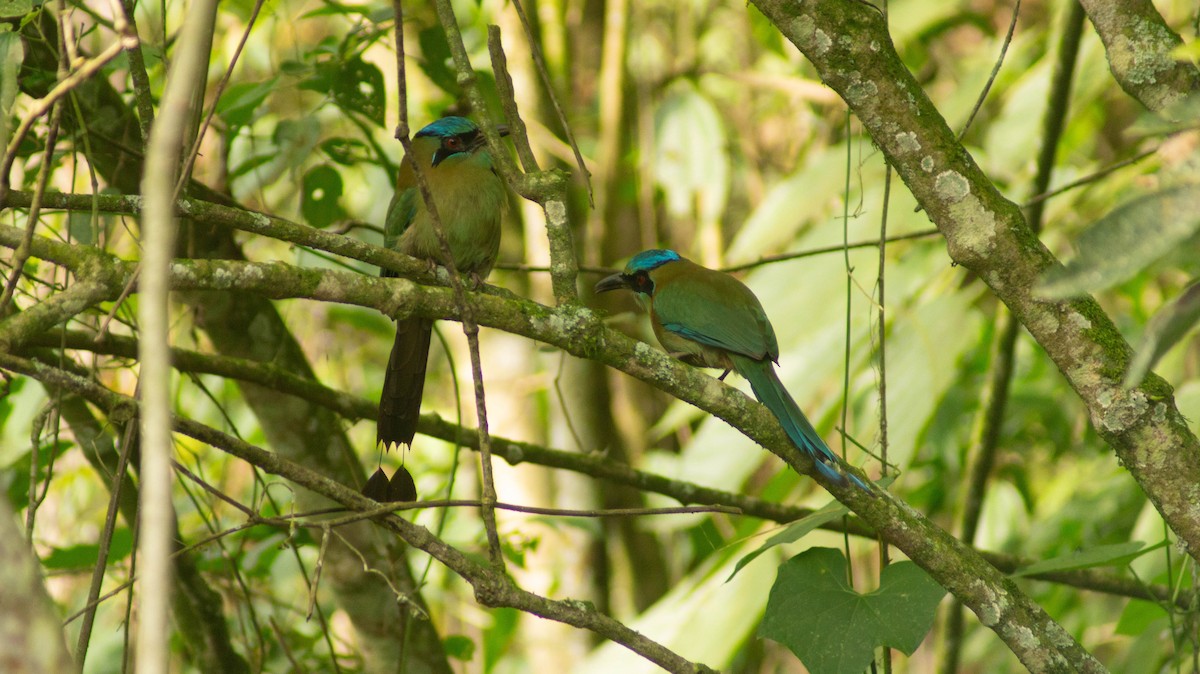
469 326
987 440
158 241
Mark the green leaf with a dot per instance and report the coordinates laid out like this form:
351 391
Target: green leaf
793 532
84 556
1179 115
1163 331
342 150
11 9
691 164
1116 554
459 647
1126 241
240 101
436 62
322 189
1138 616
835 630
358 87
12 55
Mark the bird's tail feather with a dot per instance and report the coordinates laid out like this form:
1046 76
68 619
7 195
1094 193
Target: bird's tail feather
404 383
770 392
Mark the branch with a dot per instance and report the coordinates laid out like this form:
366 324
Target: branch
1138 44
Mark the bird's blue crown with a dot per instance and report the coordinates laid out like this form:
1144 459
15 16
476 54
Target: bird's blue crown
651 259
448 126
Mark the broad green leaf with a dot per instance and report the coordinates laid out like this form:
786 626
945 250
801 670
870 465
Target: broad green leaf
1138 616
12 54
1116 554
1163 331
835 630
1126 241
240 101
459 647
322 190
435 63
691 163
358 87
11 9
1179 115
345 151
794 532
84 556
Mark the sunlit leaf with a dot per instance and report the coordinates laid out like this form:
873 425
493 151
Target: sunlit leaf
1127 240
1163 331
12 54
1138 616
436 62
832 628
322 190
459 647
84 556
358 87
345 151
1116 554
1179 115
240 101
691 163
14 8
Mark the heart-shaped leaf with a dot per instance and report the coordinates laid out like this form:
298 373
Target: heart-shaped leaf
833 629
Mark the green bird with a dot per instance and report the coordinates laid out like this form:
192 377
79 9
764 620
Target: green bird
710 319
470 198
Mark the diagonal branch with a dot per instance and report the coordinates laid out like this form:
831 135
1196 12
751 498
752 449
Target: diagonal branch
1138 43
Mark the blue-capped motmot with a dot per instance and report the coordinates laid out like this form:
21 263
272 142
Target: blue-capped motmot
709 318
470 198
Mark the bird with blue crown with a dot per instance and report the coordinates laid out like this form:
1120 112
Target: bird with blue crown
469 197
710 319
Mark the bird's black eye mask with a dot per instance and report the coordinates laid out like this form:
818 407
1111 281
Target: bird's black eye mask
452 145
640 282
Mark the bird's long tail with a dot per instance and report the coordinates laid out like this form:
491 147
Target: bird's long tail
404 383
770 392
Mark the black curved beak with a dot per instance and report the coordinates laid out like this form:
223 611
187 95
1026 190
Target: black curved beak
614 282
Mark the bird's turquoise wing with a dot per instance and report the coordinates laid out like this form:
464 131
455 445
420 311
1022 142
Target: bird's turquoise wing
716 310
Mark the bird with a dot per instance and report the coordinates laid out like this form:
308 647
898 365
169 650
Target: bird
710 319
470 198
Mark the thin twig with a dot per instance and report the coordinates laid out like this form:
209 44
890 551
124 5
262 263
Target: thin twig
539 62
1012 26
186 173
21 254
469 326
158 241
836 248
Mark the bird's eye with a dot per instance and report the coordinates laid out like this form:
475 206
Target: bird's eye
454 143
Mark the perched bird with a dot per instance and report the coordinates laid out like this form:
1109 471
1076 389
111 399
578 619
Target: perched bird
709 318
470 197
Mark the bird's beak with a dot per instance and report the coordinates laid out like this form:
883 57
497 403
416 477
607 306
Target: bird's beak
614 282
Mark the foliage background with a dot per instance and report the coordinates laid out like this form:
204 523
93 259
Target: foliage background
704 130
